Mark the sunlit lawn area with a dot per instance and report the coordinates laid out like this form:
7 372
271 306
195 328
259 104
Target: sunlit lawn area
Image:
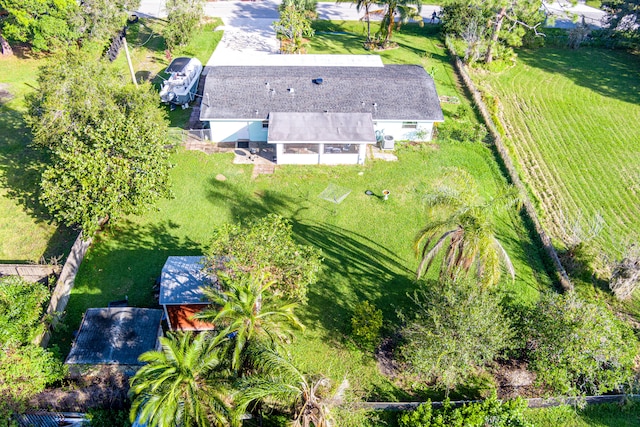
604 415
366 241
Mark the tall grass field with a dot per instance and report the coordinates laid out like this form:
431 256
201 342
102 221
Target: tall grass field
572 119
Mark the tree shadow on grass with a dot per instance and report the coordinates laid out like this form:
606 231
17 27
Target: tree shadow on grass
126 260
611 73
355 269
21 168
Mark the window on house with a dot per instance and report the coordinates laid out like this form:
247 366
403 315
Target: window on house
265 124
409 125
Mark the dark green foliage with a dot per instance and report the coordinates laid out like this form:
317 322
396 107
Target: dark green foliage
46 25
21 307
106 139
366 323
183 17
458 328
576 347
490 412
102 19
266 245
458 15
109 418
25 368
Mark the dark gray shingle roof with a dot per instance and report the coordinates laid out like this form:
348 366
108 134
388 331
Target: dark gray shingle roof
115 336
399 92
321 127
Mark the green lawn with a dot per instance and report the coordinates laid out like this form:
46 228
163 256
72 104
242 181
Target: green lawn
366 242
26 231
604 415
571 118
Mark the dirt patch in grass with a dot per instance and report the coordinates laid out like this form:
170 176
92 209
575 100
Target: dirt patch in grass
514 379
5 95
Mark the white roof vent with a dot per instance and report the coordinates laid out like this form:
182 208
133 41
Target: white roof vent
291 90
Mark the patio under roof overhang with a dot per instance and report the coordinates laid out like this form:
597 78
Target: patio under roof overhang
321 128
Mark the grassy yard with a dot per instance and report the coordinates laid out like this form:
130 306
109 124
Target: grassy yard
604 415
571 118
366 242
27 233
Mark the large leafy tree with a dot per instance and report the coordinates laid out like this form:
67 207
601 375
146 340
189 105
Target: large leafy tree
455 329
404 10
245 312
101 19
266 245
623 15
461 230
292 28
106 139
183 17
278 383
576 347
185 384
46 25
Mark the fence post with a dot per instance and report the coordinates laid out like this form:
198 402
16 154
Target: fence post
61 293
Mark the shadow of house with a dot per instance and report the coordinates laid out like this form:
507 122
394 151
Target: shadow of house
181 294
114 336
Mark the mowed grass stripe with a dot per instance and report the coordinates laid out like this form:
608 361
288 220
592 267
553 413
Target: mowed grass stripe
572 118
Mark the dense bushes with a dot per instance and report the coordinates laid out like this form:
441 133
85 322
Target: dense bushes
490 412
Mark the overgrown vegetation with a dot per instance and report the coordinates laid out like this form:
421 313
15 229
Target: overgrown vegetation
25 368
183 17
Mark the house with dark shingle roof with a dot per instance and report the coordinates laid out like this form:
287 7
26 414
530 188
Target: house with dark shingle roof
115 336
319 114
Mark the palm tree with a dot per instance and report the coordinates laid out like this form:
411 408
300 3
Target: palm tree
405 12
363 5
247 311
278 383
465 234
184 384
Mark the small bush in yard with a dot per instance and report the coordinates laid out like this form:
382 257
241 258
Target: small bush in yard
366 324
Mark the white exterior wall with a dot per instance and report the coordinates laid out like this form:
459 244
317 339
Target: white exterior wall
395 129
233 130
321 157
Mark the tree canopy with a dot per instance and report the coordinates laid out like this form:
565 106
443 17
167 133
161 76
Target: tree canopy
102 19
461 227
455 329
106 139
266 245
578 347
45 24
183 17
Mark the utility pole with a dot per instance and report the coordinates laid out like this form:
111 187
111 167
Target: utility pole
126 51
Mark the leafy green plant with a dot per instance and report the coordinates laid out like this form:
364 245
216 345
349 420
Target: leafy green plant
576 347
266 245
490 412
21 307
457 328
366 323
183 17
